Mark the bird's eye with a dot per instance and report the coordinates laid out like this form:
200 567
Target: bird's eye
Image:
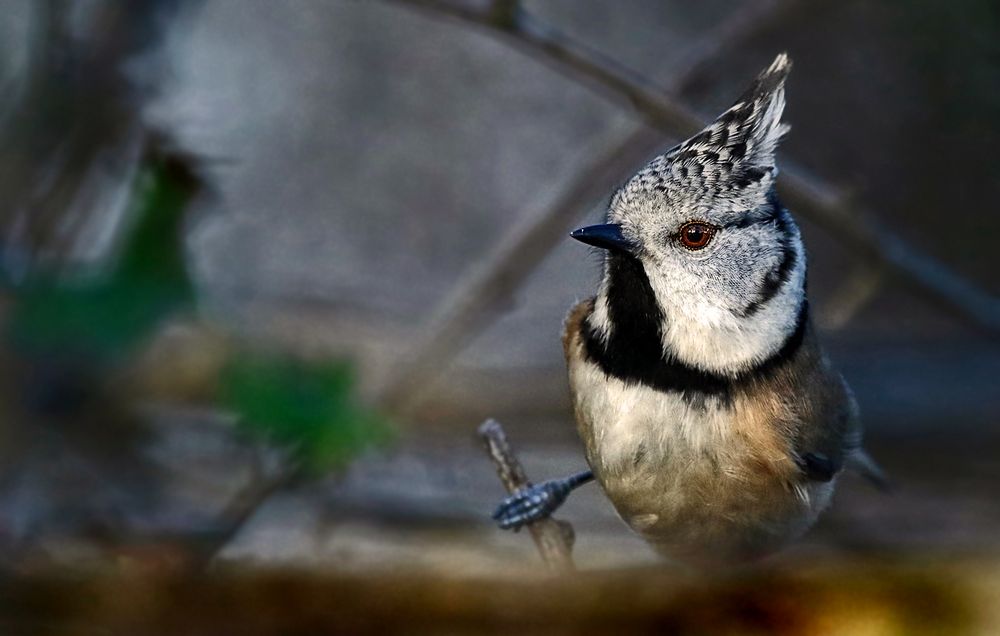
696 235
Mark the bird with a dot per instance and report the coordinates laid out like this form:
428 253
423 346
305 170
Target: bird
709 413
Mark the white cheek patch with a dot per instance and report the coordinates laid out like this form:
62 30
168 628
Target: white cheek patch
706 333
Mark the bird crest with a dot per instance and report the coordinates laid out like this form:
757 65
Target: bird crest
733 154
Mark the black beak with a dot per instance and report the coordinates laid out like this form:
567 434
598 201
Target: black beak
607 236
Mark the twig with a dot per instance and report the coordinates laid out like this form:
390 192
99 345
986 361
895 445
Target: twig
554 539
243 507
809 197
503 13
853 295
475 300
750 19
872 240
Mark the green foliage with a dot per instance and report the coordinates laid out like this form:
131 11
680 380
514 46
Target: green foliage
106 313
308 408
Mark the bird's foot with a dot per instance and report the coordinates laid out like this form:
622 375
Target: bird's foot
532 503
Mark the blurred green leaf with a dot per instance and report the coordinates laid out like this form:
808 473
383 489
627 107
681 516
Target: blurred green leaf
306 407
108 312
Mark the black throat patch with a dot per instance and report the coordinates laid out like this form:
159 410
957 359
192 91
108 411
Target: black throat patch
634 354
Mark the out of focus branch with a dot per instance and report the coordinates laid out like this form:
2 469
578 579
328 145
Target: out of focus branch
243 508
480 296
808 196
503 13
854 293
75 131
553 538
750 19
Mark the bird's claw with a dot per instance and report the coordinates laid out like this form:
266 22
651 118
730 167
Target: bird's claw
530 504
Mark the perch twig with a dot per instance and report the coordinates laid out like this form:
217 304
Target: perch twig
553 538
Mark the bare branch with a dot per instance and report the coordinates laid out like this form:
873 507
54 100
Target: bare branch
244 506
475 300
853 295
749 19
811 198
503 13
553 538
874 241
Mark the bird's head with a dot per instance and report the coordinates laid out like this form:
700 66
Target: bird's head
698 243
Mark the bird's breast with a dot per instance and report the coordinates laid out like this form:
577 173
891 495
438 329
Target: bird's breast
694 475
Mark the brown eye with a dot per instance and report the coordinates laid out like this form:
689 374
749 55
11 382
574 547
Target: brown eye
695 235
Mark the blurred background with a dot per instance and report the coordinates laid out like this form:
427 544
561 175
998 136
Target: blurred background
267 265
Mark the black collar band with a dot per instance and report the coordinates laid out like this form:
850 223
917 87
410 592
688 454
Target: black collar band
634 354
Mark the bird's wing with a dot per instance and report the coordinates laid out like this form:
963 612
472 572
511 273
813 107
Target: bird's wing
836 443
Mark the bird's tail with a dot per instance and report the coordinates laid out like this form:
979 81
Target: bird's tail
863 464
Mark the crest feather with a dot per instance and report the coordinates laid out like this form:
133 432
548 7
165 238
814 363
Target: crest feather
738 148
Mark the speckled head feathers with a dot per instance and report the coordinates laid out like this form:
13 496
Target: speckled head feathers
738 147
732 156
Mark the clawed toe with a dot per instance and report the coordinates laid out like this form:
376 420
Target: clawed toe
526 506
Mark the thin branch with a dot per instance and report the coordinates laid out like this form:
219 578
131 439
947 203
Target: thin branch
475 300
873 240
809 197
574 59
853 295
243 507
748 20
554 539
503 13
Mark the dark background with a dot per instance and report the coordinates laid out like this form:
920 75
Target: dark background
357 161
